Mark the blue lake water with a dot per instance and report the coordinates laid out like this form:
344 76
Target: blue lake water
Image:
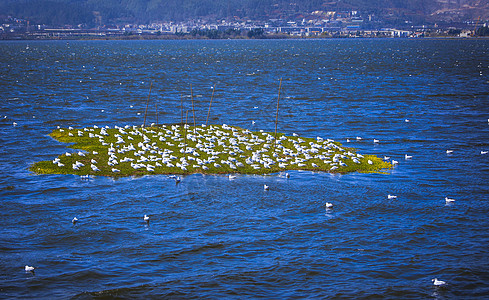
211 237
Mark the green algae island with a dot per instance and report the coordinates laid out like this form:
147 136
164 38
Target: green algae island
213 149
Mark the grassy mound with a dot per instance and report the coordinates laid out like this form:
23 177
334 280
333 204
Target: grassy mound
214 149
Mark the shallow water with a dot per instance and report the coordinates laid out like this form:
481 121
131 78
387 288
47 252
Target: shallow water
212 237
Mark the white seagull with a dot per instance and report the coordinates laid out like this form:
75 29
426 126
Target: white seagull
438 282
408 156
328 205
448 200
29 269
75 219
266 187
146 219
449 151
391 197
484 152
232 176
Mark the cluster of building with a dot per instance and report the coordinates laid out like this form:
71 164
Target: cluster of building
317 24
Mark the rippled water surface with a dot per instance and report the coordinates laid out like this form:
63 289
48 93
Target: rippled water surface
212 237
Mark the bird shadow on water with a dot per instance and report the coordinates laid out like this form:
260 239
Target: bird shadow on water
439 293
329 214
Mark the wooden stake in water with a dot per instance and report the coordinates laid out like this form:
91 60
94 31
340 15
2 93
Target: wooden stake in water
147 102
185 126
208 112
192 97
276 117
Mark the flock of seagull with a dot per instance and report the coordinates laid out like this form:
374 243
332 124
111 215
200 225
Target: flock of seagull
328 206
206 142
219 148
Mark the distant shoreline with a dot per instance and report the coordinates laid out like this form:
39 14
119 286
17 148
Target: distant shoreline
183 38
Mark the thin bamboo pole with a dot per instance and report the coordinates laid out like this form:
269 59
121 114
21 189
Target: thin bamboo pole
208 112
276 117
192 97
185 126
147 102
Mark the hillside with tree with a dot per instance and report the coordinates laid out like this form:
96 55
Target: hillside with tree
108 12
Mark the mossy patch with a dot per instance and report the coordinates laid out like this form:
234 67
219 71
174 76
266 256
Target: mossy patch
214 149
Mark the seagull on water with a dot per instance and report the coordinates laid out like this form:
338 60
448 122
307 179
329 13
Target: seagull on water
484 152
406 120
232 176
376 141
266 187
391 197
29 268
75 219
287 175
146 219
449 200
437 282
449 151
328 205
407 156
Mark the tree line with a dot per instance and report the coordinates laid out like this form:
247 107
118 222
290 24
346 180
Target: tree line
96 12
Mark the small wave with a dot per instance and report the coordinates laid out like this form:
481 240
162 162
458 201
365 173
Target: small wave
191 251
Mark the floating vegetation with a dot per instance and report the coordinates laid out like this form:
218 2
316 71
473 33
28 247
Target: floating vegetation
213 149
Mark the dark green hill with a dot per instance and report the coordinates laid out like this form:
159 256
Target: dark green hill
96 12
